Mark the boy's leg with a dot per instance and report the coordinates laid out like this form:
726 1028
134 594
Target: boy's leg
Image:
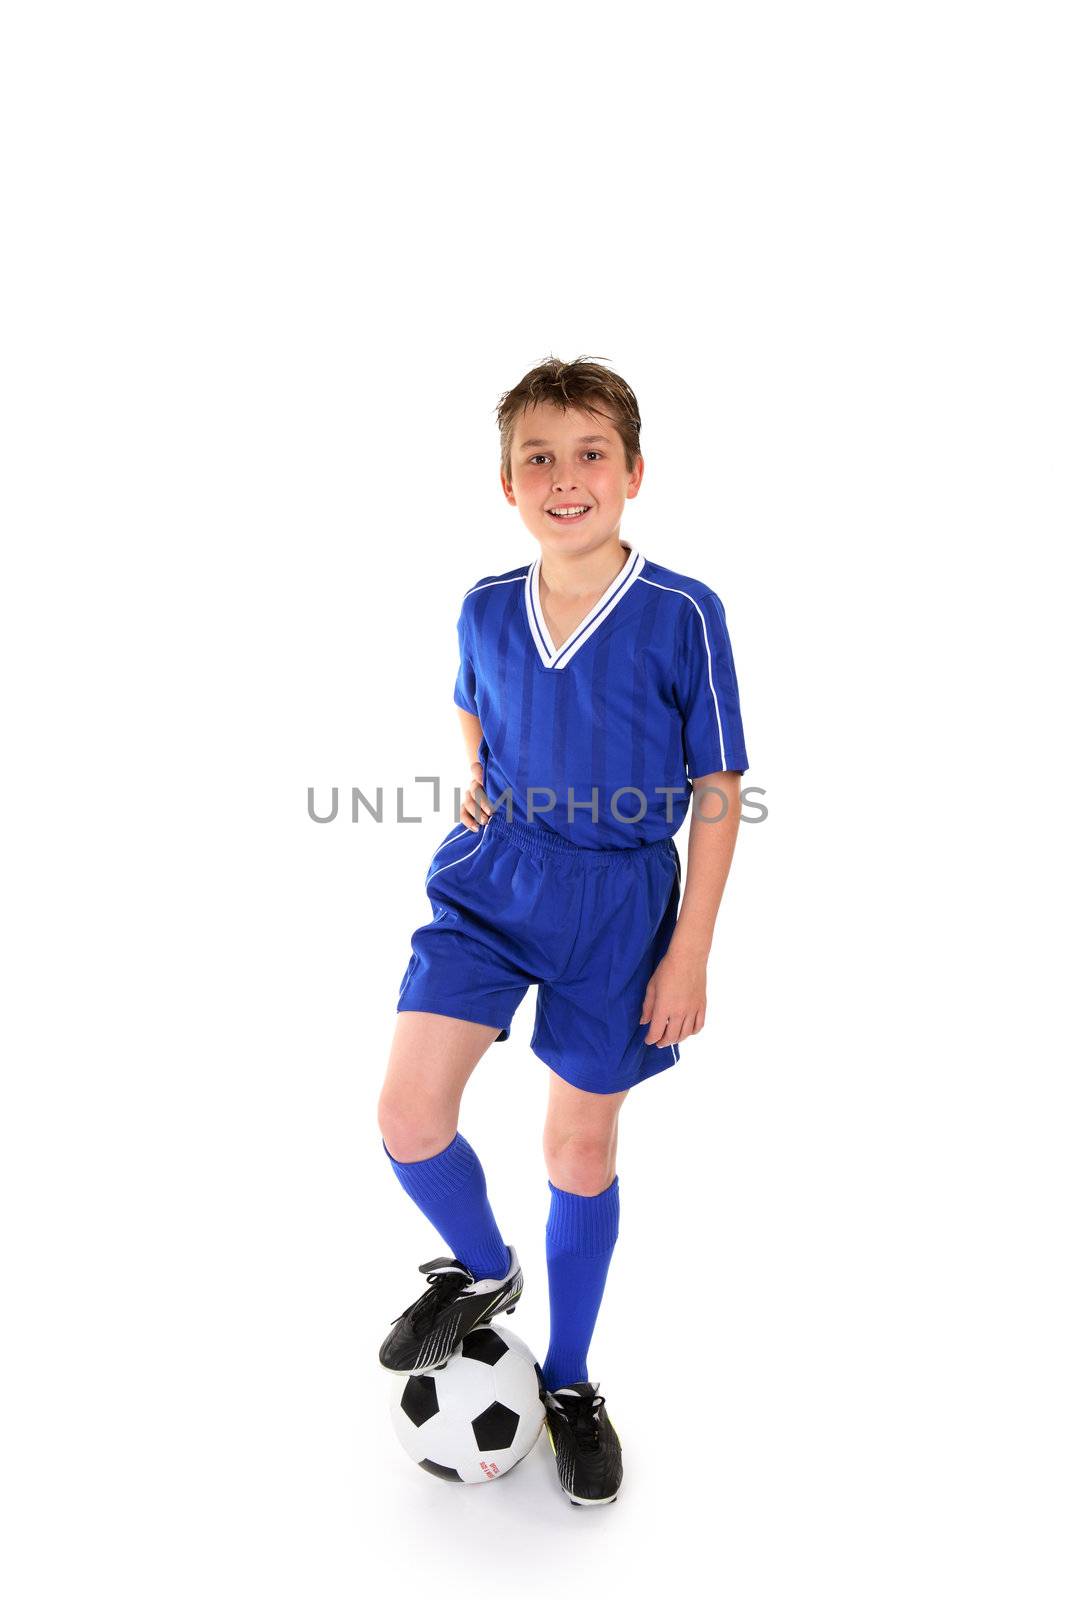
431 1060
580 1141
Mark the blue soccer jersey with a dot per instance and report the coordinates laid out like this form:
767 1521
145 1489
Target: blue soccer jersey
598 740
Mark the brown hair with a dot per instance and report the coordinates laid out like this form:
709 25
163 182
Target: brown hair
578 385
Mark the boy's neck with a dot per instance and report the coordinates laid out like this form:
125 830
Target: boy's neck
576 577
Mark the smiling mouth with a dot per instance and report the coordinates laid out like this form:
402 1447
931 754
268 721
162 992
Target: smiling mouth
572 514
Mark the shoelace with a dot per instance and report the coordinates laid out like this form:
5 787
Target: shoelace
444 1276
582 1412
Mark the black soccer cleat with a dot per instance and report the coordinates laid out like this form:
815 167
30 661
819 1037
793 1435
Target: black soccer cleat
584 1442
426 1334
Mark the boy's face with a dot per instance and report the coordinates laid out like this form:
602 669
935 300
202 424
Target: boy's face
570 458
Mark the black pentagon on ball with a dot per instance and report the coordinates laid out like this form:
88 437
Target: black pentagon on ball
496 1428
484 1345
449 1474
419 1400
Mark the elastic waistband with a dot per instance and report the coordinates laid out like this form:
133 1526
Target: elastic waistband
534 840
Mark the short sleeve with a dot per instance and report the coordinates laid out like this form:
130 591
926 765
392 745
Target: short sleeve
706 691
466 690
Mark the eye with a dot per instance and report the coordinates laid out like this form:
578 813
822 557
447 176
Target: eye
592 452
538 458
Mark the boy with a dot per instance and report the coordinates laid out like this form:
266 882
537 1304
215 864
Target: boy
596 689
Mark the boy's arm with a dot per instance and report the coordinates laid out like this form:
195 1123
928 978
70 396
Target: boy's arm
712 836
471 729
474 809
676 998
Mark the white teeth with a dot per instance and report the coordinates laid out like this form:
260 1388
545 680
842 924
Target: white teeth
578 511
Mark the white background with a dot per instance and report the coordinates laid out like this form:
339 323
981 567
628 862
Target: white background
268 269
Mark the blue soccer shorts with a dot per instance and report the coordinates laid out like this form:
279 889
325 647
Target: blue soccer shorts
515 904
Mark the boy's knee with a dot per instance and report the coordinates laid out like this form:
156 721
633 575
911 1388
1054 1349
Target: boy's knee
580 1163
412 1135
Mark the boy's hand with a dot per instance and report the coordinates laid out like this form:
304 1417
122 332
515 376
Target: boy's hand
474 807
676 997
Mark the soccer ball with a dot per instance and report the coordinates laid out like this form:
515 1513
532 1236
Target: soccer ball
476 1417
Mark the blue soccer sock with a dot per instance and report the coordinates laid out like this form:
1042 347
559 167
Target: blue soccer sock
449 1189
580 1236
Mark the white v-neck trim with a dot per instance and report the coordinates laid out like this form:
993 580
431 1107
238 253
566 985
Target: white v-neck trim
542 638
